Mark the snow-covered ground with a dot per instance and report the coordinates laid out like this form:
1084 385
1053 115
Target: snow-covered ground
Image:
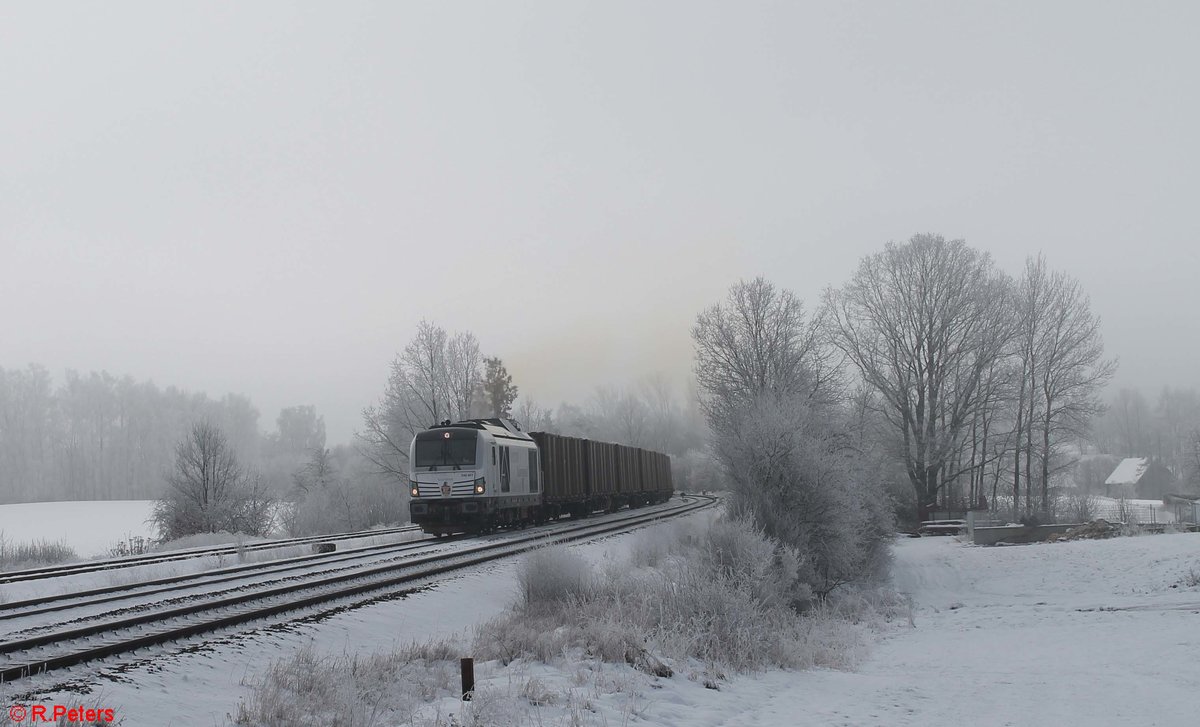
90 527
1089 633
1080 633
202 685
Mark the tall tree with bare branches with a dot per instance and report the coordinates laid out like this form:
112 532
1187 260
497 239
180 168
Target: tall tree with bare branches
464 366
759 341
925 323
435 377
1070 373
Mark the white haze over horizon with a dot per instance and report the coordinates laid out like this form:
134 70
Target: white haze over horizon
265 198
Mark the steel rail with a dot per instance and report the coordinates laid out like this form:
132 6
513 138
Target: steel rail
108 594
413 571
58 571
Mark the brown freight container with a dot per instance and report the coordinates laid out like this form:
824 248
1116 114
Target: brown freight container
650 473
563 467
578 470
627 470
602 468
665 484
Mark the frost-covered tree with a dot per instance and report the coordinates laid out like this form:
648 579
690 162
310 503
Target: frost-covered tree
1192 461
925 323
533 417
758 341
463 374
780 433
793 474
431 380
300 430
1068 375
209 491
339 490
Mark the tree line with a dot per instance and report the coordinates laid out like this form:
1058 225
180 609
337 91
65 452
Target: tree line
97 436
945 373
986 382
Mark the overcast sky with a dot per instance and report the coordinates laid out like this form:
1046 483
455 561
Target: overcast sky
266 198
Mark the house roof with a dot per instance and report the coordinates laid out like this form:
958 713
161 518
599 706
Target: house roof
1128 472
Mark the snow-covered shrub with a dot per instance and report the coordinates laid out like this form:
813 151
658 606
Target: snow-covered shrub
552 576
723 594
16 556
350 690
131 545
346 505
792 475
1076 507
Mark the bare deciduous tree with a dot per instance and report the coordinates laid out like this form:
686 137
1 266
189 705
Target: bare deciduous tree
434 378
758 341
1071 371
925 322
1192 463
532 417
301 429
1127 425
779 436
463 374
209 491
421 375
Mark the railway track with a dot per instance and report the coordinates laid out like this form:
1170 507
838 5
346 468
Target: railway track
178 583
58 571
65 644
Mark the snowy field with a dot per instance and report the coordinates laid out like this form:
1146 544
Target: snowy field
90 527
1089 633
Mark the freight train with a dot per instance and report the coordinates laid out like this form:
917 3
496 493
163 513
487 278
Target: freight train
480 474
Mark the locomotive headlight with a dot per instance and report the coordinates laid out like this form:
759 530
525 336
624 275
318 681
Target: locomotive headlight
479 486
415 491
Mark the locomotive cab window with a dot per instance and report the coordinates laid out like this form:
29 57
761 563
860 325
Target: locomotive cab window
435 450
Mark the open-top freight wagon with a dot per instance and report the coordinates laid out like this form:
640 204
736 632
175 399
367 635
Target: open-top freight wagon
480 474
